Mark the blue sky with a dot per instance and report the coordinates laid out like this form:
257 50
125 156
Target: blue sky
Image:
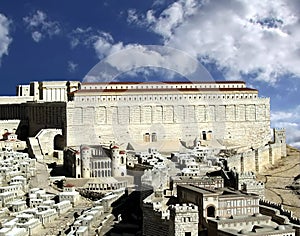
256 41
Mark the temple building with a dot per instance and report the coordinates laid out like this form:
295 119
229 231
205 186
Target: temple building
164 113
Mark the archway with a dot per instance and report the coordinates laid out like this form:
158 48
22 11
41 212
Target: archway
210 211
59 142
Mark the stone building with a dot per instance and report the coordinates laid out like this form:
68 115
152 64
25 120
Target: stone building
159 114
163 113
201 181
37 106
142 112
162 216
183 220
221 202
218 212
48 91
92 161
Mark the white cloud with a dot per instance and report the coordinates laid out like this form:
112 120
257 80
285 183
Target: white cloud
132 16
281 115
40 26
141 20
101 41
103 45
172 17
5 38
120 58
72 67
158 2
255 38
36 36
81 36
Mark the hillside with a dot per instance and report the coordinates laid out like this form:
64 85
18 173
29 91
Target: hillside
279 179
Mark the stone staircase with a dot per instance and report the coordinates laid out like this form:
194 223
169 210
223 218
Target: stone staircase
35 148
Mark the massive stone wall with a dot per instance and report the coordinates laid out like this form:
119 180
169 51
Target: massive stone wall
257 159
239 121
35 116
234 114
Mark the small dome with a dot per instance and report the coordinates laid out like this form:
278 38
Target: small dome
243 231
280 227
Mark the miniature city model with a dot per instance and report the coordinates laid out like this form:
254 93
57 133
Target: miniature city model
191 150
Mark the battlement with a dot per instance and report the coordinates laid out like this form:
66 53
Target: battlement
247 174
279 207
184 208
279 129
255 184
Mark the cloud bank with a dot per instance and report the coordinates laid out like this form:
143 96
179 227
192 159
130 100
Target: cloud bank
260 38
135 59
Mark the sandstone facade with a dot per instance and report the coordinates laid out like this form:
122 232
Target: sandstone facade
167 112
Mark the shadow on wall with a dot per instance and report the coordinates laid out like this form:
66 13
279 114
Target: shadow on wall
58 142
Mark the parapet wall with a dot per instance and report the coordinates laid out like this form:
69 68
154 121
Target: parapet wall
255 160
279 210
184 208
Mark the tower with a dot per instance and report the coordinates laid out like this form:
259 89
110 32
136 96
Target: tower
85 161
78 165
184 220
280 138
118 162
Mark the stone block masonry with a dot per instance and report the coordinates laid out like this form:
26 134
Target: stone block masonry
168 112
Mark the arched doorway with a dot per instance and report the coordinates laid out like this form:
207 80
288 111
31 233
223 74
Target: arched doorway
59 142
210 211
